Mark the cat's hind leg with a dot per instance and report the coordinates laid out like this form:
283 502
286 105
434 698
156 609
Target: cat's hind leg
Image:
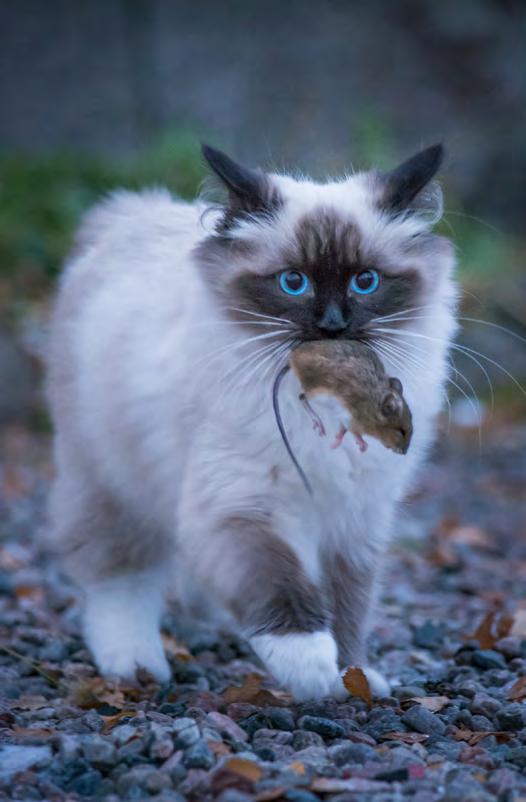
120 564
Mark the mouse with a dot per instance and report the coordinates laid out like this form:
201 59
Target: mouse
350 371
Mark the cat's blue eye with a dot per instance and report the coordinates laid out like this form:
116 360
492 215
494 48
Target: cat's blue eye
365 282
293 282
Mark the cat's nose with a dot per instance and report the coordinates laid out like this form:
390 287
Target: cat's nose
332 320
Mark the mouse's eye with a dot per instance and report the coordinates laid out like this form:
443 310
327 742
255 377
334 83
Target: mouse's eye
365 282
293 282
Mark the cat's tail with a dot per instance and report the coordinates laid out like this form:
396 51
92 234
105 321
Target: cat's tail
275 403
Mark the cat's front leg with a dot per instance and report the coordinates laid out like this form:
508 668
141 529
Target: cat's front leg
253 572
351 588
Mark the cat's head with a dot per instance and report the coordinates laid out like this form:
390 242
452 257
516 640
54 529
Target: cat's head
326 260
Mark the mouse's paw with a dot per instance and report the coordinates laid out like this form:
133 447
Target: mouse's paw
362 445
339 437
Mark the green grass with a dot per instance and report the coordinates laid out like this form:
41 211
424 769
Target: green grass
42 199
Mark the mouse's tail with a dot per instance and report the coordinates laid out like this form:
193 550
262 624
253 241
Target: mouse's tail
275 403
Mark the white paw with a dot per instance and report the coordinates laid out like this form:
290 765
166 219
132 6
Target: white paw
303 664
121 626
118 657
377 682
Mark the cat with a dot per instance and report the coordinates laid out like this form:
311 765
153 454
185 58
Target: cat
170 322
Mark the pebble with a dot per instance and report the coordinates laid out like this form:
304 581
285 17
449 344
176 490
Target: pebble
226 726
302 739
172 743
186 732
325 727
342 754
484 705
511 717
420 719
199 756
488 658
99 751
14 759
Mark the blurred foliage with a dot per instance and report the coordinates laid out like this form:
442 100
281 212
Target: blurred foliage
42 199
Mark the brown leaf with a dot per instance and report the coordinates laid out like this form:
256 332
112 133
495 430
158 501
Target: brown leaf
247 769
28 702
251 692
298 768
517 692
29 733
432 703
219 748
472 738
406 737
470 536
174 648
111 721
97 692
357 684
492 628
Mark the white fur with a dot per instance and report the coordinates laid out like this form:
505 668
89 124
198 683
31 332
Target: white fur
121 626
306 665
144 336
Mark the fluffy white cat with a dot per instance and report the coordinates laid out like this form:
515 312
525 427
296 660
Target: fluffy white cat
171 321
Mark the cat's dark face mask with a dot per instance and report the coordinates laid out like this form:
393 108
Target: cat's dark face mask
330 278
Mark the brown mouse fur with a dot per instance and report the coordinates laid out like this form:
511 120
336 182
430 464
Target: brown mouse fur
352 372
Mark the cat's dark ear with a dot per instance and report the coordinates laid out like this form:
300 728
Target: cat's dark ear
250 191
403 185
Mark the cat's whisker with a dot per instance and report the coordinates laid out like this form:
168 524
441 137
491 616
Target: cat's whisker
397 359
214 323
405 354
471 353
259 314
463 318
396 315
212 357
236 372
461 375
263 357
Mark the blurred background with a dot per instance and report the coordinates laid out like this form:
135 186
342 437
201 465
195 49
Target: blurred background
102 93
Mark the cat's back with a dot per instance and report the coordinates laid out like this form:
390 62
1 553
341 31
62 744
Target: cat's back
117 364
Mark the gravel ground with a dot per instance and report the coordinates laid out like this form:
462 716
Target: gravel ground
451 632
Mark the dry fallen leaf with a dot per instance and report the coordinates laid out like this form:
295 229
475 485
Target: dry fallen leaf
111 721
174 648
517 692
406 737
432 703
30 733
472 738
97 692
219 748
357 684
251 692
245 768
491 629
297 767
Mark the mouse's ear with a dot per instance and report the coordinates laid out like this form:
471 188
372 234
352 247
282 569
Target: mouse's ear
392 406
396 385
403 187
250 191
